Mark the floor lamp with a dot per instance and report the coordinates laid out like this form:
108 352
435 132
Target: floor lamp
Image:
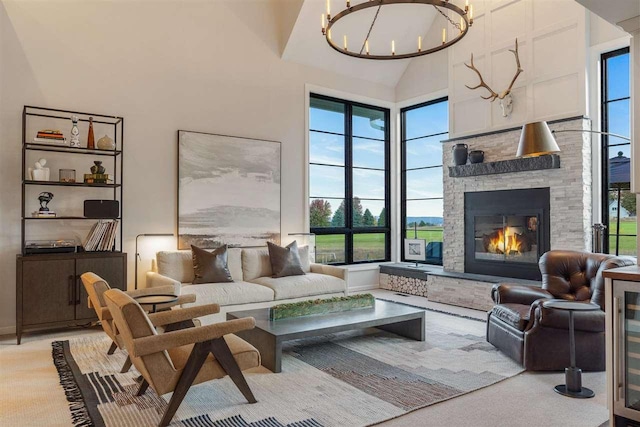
138 255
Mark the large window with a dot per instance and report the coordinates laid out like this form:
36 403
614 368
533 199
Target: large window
349 181
422 128
619 203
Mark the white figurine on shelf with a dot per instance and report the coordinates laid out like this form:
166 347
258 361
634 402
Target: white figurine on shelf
39 172
75 133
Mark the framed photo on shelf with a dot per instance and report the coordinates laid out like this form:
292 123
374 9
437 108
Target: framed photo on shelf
415 249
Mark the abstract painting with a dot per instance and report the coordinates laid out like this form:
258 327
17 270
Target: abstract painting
228 191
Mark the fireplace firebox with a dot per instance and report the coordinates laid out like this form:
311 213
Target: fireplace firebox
506 232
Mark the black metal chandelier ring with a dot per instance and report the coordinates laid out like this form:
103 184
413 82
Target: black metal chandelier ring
463 13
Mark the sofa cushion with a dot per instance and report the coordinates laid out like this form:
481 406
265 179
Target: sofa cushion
229 293
178 265
210 267
516 315
303 251
285 261
255 263
302 286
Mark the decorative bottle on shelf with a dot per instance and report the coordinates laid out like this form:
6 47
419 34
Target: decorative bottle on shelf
460 153
91 142
97 167
75 133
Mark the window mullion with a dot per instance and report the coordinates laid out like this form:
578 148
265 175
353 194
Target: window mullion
348 202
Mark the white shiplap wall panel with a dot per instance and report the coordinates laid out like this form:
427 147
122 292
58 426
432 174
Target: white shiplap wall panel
551 36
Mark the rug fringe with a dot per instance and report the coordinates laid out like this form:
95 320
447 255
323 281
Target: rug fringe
79 414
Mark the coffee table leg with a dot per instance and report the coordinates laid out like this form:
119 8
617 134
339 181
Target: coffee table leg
269 346
413 328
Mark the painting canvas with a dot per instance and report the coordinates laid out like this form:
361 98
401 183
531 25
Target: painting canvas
228 191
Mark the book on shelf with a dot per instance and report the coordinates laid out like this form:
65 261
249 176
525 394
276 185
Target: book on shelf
41 140
38 214
102 236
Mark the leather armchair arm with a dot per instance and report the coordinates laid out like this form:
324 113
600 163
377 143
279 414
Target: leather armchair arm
589 321
506 293
175 316
157 343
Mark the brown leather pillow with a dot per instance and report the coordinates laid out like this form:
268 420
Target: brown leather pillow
285 261
210 267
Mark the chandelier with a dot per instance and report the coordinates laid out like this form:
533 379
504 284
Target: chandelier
460 23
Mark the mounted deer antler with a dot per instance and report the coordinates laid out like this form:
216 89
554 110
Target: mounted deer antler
494 95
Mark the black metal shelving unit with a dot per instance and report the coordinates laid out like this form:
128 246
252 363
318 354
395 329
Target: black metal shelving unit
49 292
116 155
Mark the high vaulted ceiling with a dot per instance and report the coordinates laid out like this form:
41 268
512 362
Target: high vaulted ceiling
401 23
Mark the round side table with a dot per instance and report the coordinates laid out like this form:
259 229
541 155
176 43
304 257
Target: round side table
154 300
572 375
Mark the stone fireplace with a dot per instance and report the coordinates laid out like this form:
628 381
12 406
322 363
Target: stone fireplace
568 184
502 215
506 232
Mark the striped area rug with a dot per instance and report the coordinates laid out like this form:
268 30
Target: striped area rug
346 379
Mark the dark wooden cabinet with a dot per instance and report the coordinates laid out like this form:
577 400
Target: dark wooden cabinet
50 293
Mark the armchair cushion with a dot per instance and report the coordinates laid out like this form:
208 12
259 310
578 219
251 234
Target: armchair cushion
516 315
245 354
589 321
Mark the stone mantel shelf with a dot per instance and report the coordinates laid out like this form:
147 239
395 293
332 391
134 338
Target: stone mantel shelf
547 161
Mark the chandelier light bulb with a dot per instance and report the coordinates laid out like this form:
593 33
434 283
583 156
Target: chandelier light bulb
344 38
419 43
329 10
348 4
366 46
444 35
324 25
393 47
470 13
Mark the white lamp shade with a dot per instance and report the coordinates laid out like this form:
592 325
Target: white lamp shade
536 139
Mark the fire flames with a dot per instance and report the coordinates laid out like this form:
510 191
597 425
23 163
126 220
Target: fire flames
505 242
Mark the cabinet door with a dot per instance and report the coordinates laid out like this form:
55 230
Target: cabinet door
626 351
47 291
110 269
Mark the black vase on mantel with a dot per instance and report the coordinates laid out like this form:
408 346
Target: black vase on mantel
460 153
476 156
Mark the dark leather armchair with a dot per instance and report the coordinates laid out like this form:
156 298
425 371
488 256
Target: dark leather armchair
538 337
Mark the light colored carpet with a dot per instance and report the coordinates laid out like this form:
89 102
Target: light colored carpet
346 379
30 392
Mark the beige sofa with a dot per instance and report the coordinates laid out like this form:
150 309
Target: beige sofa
253 286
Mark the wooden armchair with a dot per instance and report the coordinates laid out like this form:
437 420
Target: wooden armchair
176 360
97 286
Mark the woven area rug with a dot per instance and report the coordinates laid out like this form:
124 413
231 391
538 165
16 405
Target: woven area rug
346 379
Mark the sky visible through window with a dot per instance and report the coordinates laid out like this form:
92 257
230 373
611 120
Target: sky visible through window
327 155
425 128
619 207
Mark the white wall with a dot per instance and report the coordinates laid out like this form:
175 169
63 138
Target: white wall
426 74
163 66
552 45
